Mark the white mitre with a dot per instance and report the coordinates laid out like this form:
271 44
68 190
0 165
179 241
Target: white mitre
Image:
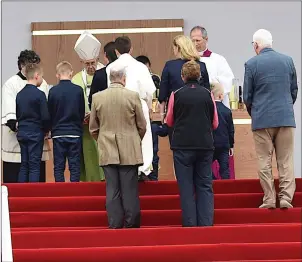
88 47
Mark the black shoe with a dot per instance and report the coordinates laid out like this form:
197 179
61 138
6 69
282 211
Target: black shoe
142 178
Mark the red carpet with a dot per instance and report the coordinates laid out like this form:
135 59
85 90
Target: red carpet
150 188
67 222
160 202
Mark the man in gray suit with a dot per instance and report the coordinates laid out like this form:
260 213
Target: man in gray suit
269 93
118 124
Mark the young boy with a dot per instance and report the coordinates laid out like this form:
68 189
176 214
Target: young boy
32 123
66 106
224 134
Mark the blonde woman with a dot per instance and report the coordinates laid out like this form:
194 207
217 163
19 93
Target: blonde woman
171 80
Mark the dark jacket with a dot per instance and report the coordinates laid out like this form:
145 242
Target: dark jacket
66 106
191 114
99 83
31 110
270 90
171 78
224 133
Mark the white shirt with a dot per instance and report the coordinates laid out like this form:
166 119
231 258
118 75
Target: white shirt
138 77
219 72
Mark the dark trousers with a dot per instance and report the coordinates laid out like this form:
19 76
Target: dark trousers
31 145
162 131
194 177
11 172
122 196
222 157
69 148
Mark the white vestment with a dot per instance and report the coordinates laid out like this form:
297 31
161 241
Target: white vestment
220 71
138 79
10 147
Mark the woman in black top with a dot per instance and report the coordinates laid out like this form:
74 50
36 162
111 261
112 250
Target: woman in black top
99 81
192 116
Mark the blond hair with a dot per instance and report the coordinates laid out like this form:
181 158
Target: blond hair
186 48
191 71
64 68
217 90
32 69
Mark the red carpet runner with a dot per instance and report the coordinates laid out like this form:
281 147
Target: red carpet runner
67 223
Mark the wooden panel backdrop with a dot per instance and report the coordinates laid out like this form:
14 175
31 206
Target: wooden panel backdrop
56 48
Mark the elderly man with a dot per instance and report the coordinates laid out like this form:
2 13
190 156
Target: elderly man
88 49
269 93
218 68
11 154
139 80
118 124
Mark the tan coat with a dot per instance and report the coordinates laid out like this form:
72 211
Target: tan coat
118 124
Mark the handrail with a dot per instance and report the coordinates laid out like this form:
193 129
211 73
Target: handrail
7 251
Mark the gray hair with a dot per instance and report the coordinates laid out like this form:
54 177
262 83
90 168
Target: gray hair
117 72
201 29
263 38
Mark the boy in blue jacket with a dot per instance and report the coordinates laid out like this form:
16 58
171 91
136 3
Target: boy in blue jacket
224 134
32 123
66 106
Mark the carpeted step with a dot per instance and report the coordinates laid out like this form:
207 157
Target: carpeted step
160 202
156 236
26 229
146 188
163 253
152 217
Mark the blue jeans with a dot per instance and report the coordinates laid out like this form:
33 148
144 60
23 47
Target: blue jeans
67 148
31 145
162 131
194 177
222 157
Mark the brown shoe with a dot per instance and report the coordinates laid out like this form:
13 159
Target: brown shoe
268 206
285 204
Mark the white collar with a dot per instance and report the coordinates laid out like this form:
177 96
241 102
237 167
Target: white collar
201 53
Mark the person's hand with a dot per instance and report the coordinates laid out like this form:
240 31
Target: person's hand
231 152
162 117
47 136
86 118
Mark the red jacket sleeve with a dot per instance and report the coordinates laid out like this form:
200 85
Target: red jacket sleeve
215 117
170 114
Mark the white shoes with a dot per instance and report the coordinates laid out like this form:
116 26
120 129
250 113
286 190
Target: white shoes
283 205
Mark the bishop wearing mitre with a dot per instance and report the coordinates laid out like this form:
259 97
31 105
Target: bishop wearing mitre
88 49
11 153
218 68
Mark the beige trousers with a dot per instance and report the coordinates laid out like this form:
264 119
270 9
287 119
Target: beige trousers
280 139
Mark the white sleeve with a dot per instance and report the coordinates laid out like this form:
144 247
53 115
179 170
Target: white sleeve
44 87
8 102
147 86
225 75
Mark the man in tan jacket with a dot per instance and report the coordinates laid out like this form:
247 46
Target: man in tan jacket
118 124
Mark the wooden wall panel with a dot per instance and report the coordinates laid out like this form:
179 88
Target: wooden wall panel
54 49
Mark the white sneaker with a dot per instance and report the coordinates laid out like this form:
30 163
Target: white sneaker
285 204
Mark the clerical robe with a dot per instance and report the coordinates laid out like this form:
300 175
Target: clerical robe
138 79
90 169
219 71
11 152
